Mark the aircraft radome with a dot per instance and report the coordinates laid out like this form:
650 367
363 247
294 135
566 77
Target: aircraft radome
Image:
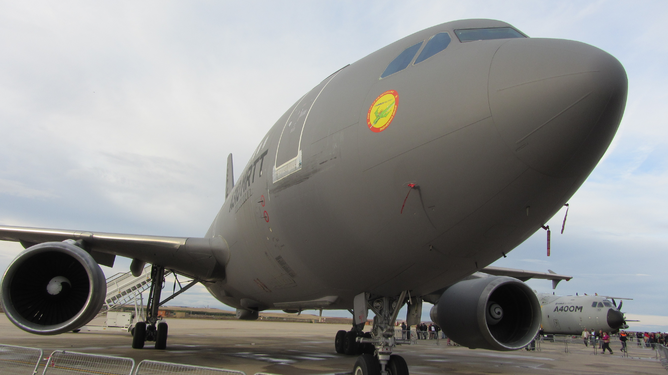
392 181
570 315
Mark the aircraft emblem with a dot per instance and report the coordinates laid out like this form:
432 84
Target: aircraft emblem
382 111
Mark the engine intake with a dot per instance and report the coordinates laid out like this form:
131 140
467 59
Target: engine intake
53 287
498 313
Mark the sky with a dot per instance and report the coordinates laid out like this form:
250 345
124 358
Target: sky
119 116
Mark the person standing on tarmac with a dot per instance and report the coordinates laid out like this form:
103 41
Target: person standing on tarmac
605 339
585 336
623 337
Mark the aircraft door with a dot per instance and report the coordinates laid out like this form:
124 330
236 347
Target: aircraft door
289 152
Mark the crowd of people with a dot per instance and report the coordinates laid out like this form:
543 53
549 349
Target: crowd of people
602 339
422 330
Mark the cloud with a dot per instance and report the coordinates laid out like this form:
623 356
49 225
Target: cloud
19 189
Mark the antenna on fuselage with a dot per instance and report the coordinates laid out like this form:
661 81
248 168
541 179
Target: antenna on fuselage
229 183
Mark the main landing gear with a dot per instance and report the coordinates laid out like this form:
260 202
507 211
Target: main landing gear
147 331
376 346
151 330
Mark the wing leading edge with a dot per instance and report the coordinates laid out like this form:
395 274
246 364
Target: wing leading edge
203 258
526 275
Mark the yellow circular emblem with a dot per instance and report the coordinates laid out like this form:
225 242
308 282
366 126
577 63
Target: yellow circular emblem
382 111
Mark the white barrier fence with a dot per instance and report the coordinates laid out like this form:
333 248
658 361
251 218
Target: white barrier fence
147 367
662 352
19 360
67 363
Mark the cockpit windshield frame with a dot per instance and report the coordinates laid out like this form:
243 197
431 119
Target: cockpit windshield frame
432 46
402 61
488 33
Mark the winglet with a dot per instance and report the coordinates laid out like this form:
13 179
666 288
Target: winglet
555 282
230 176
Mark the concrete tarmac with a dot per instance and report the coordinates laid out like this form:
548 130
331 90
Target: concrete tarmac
308 348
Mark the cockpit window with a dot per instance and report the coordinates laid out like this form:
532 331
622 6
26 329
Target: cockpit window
600 304
593 304
402 61
469 35
436 44
607 304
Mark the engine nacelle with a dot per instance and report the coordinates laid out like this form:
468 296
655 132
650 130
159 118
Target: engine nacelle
498 313
53 287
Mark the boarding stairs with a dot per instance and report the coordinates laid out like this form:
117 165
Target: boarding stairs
124 288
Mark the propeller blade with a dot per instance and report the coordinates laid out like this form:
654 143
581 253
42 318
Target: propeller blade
614 303
620 305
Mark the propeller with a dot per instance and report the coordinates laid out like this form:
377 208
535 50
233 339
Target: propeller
619 308
620 304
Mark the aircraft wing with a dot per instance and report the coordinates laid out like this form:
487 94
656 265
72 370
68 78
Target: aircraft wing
526 275
192 256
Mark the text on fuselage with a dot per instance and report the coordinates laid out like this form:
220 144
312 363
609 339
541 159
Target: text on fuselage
242 192
568 309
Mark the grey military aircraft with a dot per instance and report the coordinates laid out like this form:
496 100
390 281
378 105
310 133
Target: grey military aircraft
570 315
392 181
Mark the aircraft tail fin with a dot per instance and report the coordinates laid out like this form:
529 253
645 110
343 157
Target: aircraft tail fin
230 176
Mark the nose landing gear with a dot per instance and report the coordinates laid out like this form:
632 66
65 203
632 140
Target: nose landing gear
378 344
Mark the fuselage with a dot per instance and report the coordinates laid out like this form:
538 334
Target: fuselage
573 314
486 140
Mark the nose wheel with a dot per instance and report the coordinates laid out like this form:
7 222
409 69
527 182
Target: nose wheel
368 364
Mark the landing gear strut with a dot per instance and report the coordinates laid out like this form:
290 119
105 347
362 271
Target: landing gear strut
377 345
147 331
151 330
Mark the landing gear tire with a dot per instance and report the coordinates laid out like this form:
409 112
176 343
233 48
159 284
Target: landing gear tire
397 366
350 346
139 335
161 336
366 364
339 340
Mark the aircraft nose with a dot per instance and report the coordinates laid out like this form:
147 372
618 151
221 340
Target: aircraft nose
615 319
556 103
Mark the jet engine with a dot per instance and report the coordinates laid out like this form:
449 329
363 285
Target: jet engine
498 313
53 287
